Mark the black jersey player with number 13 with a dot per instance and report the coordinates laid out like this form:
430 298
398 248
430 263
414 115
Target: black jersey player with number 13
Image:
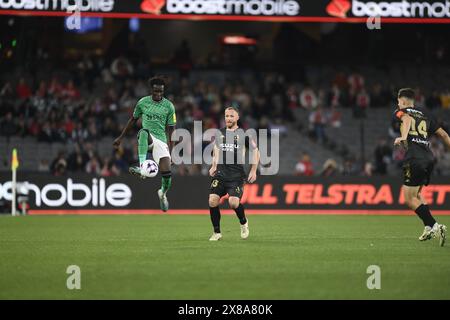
227 171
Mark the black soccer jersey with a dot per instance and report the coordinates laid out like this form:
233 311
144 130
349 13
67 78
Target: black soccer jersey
423 125
232 146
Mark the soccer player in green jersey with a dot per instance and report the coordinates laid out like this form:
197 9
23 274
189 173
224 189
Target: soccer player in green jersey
158 124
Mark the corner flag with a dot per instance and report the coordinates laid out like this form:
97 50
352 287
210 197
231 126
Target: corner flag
14 166
15 160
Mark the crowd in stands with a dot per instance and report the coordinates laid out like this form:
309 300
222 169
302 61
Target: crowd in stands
92 100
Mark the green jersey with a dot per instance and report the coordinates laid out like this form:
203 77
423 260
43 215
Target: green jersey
156 115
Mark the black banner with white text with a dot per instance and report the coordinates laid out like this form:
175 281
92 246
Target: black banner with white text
83 194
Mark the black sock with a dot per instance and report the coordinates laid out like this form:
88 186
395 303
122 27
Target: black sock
424 213
241 214
214 213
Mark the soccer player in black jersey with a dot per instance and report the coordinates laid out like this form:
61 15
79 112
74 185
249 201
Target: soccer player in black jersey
227 171
416 126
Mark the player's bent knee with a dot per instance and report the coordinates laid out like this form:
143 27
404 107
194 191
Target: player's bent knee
234 203
213 201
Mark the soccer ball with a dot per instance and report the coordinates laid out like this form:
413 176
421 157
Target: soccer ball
149 168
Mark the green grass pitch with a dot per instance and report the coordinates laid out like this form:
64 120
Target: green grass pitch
170 257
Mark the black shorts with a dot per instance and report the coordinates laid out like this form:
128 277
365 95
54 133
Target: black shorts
234 188
417 172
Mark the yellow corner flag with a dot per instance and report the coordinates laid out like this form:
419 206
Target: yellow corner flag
15 160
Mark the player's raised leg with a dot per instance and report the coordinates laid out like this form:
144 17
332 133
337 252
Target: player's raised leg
145 141
214 212
237 206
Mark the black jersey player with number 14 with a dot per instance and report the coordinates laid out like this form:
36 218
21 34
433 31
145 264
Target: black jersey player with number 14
416 126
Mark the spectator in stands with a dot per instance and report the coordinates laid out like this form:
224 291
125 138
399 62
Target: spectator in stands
92 133
41 92
355 83
308 98
368 169
383 156
106 168
70 91
109 128
23 91
59 165
379 98
317 122
119 161
46 133
22 129
55 88
7 91
304 166
329 169
8 126
93 166
77 160
334 96
121 67
43 166
362 103
68 125
34 128
350 167
334 117
79 134
292 96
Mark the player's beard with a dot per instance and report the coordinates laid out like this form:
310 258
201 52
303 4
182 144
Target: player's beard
231 125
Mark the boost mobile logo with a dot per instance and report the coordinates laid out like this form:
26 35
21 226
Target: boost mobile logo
403 9
83 5
117 194
231 7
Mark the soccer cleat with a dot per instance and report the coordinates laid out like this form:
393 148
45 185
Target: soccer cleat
136 171
163 202
244 230
439 231
427 234
215 237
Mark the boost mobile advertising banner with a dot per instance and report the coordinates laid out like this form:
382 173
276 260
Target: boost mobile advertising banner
84 194
398 11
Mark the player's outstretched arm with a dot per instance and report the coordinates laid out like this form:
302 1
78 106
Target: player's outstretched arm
129 125
254 167
215 160
444 136
404 129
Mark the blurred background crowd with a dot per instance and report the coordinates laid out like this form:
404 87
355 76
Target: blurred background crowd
331 119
